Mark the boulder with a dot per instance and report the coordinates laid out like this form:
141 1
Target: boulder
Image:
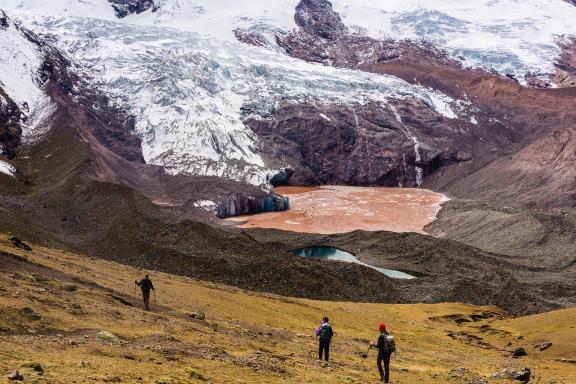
544 345
15 376
30 313
522 375
461 156
519 352
35 366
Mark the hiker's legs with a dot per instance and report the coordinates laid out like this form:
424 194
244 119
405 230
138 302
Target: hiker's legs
146 296
387 357
324 348
379 364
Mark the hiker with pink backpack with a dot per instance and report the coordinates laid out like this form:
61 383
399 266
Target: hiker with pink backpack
386 344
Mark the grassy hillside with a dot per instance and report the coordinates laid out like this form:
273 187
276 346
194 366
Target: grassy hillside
54 306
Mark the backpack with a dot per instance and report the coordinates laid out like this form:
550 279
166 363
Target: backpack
326 332
388 343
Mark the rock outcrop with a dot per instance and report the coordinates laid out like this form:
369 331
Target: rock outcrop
124 8
322 37
504 117
566 64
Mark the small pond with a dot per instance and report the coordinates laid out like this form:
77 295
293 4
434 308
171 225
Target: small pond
331 253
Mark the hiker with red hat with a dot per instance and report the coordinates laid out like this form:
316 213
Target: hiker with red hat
386 344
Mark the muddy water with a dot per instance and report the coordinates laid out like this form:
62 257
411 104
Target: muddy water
335 209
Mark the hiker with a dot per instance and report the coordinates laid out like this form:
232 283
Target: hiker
146 285
324 334
386 344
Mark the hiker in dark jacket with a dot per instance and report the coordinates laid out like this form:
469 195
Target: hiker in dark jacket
146 285
324 333
386 344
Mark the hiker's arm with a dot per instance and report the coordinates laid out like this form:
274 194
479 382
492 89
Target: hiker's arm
136 282
318 330
377 343
151 285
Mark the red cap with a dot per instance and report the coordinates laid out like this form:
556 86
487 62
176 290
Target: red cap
382 327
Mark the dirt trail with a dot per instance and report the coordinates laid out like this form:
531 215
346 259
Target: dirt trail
338 209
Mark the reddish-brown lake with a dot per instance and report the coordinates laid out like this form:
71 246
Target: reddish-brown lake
336 209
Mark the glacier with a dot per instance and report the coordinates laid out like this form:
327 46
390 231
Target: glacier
510 36
190 84
190 93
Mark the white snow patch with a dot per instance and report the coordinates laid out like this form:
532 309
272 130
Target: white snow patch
20 62
7 169
38 123
207 205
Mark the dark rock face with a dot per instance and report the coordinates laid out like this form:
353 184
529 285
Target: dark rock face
323 38
283 177
10 114
361 144
317 18
10 129
3 20
251 38
566 64
124 8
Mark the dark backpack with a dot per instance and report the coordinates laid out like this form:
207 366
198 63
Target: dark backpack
326 332
387 343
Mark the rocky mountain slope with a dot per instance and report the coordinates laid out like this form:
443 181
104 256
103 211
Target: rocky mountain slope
510 124
220 96
118 133
67 317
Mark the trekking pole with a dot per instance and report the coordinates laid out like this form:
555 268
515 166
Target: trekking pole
365 355
155 305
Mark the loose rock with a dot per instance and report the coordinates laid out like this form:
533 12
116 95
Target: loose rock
15 376
543 346
522 375
519 352
30 313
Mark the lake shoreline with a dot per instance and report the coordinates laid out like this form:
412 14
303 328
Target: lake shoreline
342 209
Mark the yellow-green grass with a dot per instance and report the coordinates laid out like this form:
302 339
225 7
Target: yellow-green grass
247 337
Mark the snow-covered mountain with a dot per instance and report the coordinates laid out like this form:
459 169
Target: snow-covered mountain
515 37
510 36
189 92
177 66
